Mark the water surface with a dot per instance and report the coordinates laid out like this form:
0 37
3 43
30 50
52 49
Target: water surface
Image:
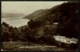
15 22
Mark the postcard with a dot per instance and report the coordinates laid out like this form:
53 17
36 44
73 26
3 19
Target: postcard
39 26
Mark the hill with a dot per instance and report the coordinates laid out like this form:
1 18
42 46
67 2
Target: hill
65 15
37 14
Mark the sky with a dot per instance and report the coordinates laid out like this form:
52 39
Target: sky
26 7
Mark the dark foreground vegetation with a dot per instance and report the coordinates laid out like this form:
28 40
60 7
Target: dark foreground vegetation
60 21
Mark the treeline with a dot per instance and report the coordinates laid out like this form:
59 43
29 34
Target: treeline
9 32
25 33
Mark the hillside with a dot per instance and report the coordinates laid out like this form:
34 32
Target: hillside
65 15
37 14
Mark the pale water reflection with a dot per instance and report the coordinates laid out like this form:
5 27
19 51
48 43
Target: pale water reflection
15 22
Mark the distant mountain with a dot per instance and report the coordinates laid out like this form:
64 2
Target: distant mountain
37 14
9 15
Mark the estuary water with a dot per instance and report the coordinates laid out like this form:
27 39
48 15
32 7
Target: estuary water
15 22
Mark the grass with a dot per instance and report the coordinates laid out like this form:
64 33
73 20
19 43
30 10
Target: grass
25 46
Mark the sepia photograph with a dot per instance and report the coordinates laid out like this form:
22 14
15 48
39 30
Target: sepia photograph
39 26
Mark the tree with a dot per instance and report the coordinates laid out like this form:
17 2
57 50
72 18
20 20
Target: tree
34 24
